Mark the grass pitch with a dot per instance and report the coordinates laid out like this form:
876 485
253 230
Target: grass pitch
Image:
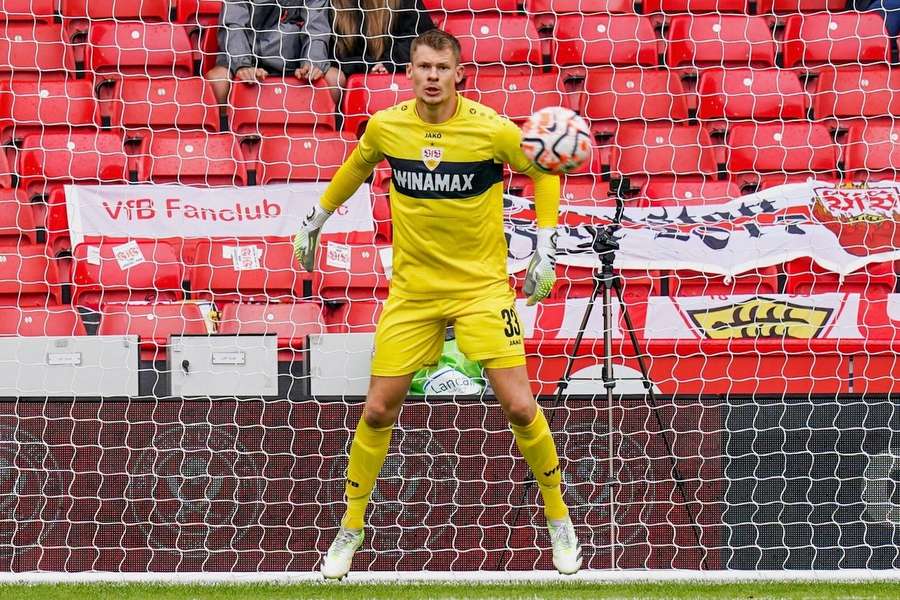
429 591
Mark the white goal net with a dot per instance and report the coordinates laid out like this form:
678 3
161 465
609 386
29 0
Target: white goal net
176 395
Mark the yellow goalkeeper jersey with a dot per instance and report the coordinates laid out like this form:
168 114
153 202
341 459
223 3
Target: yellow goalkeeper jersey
447 197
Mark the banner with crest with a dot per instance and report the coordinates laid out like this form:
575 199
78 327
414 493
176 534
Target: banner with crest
842 228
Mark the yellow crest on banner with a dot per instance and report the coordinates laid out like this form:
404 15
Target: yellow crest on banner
761 318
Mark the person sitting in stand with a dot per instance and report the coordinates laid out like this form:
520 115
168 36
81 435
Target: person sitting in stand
259 38
374 36
889 11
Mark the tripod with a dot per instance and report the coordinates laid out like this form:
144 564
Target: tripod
604 244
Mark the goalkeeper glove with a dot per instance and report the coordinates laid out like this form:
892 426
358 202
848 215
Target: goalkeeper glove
307 238
541 274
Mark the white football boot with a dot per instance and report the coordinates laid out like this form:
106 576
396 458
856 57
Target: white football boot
566 548
340 554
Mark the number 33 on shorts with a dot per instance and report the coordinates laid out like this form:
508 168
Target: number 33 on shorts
511 319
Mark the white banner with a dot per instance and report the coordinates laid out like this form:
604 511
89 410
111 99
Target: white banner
840 228
178 211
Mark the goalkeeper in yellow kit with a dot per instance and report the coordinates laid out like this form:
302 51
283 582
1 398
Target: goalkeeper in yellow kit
446 154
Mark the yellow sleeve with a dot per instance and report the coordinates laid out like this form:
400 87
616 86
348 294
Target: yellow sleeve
508 149
356 169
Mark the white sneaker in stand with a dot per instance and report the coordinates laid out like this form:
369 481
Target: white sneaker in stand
566 549
340 554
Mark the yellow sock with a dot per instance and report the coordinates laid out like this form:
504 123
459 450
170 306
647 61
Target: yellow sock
535 442
367 453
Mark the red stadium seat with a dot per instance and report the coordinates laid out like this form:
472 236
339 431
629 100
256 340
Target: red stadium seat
823 39
204 12
27 276
57 223
366 94
29 50
207 41
621 40
163 103
544 12
575 190
302 158
136 48
350 272
5 172
583 190
355 316
727 40
745 94
873 151
487 39
16 219
662 151
79 157
847 94
764 7
806 277
146 10
290 321
614 95
694 7
470 6
77 15
152 323
688 193
267 271
52 321
99 275
515 96
779 151
584 7
578 282
29 11
191 158
763 280
281 107
28 107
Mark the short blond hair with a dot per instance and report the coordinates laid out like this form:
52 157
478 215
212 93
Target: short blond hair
437 39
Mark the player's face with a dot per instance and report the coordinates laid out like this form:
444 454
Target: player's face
434 74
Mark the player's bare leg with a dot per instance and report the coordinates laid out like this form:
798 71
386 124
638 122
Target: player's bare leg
535 442
367 452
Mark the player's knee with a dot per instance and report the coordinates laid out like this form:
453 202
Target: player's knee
521 413
379 414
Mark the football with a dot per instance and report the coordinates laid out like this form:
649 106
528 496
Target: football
556 140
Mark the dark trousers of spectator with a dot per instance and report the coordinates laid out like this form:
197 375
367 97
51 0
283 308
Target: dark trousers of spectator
890 12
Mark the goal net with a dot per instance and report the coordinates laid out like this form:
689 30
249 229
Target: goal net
176 395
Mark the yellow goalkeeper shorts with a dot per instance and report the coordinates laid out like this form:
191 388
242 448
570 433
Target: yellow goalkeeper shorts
410 333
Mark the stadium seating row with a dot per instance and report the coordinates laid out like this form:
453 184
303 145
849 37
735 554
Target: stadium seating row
571 41
280 106
290 321
187 11
28 278
750 153
605 97
206 11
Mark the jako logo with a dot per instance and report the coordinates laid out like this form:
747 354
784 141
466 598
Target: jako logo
551 471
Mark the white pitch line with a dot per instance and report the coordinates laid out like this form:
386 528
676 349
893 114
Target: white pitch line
458 577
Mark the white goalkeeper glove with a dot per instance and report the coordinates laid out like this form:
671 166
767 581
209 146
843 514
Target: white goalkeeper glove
307 238
541 274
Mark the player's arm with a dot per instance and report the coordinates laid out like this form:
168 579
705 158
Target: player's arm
541 274
352 174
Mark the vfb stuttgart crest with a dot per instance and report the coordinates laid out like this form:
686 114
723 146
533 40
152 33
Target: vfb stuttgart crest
431 156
